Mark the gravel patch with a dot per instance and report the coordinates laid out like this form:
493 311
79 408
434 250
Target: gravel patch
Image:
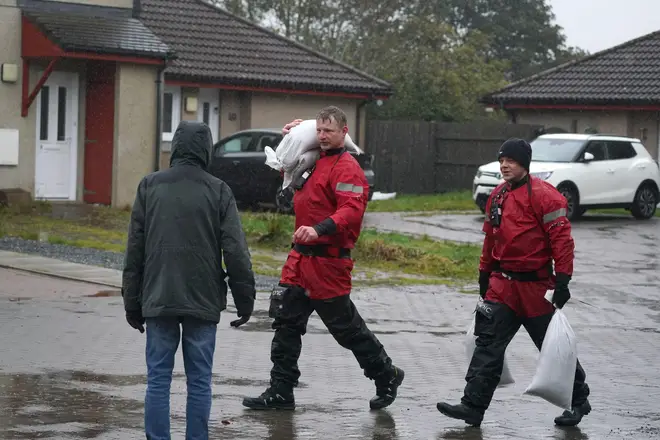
91 257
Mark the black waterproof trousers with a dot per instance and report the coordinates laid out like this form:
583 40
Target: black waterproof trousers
291 314
496 325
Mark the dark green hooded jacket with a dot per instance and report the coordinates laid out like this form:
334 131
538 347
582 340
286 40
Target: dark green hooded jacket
183 224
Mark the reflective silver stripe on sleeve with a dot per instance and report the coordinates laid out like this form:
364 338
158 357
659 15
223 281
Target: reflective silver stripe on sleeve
350 188
554 215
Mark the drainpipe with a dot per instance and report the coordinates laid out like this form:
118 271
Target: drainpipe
159 114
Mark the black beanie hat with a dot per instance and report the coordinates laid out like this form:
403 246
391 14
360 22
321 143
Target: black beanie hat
518 150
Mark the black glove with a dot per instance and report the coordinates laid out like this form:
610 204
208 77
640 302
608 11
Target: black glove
484 278
561 295
242 320
135 320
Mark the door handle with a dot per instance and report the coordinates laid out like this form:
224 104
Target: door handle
610 171
235 162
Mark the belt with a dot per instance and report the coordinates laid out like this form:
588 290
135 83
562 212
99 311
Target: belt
321 250
536 275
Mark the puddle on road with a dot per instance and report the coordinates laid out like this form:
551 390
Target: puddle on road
48 405
84 405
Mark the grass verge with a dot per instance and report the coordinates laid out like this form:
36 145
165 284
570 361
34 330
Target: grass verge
451 201
405 260
458 201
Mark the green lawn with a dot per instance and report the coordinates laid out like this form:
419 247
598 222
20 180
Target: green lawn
267 233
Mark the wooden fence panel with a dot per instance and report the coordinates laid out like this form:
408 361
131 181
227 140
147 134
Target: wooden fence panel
416 157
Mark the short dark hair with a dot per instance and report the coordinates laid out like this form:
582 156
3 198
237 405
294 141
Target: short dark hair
331 113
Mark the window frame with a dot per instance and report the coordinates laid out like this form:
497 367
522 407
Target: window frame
167 136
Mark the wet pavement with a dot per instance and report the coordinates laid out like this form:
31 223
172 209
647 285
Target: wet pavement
71 368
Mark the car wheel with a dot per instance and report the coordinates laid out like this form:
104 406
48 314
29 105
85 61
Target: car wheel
572 200
284 201
645 203
371 193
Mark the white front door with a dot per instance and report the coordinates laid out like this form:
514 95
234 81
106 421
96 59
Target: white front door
208 110
57 138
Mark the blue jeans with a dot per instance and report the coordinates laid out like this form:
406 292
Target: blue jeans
198 345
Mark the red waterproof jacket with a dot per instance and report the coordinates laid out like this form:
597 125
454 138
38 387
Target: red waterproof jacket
532 232
333 200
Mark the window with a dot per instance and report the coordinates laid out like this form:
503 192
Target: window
239 144
206 113
597 148
555 150
618 150
171 111
61 113
268 140
45 101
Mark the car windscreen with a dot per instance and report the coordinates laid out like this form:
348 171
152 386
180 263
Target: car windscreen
555 150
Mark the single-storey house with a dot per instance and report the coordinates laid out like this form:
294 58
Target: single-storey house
91 91
615 91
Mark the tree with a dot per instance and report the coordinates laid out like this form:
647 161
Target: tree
437 74
521 31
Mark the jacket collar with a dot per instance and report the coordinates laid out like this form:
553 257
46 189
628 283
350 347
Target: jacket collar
332 152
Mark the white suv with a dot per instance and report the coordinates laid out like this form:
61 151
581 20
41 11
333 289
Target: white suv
591 171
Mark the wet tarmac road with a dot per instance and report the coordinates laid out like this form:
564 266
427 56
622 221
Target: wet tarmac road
70 368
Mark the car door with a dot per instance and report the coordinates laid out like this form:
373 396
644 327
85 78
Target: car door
625 171
592 177
229 160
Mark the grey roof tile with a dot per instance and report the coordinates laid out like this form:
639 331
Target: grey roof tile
215 46
627 73
94 29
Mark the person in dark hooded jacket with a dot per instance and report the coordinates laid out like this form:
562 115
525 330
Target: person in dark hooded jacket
183 224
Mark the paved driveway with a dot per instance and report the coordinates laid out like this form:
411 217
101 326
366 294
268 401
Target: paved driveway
71 368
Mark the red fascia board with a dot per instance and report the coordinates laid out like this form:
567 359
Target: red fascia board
117 58
34 44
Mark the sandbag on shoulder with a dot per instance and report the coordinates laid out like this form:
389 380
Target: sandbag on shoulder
299 150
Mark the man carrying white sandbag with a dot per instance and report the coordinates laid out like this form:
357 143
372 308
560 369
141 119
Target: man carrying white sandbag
299 151
316 277
526 229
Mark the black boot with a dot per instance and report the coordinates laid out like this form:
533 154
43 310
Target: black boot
275 397
386 387
574 416
461 411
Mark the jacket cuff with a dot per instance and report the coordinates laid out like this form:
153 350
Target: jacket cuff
326 227
562 278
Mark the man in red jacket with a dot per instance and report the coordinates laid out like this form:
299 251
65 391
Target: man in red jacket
329 206
526 229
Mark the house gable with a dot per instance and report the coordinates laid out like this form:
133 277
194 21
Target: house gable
214 46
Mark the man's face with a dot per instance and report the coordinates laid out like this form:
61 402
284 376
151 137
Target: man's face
329 134
511 170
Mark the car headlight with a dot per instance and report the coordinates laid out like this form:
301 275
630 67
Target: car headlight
544 175
496 175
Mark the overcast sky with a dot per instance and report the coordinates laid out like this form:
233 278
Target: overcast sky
595 25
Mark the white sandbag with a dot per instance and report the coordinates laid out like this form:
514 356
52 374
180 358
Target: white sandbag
299 150
470 344
555 371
